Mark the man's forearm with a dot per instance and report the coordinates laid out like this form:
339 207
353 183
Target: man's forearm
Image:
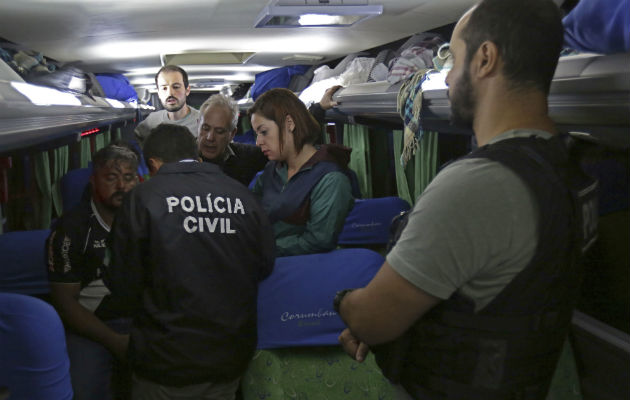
359 318
385 308
85 323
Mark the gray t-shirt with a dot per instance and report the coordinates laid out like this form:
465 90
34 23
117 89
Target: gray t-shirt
158 117
472 230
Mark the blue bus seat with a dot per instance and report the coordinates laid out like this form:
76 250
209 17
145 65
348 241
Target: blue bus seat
24 262
34 360
73 185
254 179
295 301
369 220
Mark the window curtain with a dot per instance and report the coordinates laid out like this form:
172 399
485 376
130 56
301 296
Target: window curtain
412 179
116 135
357 137
42 209
86 152
101 140
61 157
245 124
49 167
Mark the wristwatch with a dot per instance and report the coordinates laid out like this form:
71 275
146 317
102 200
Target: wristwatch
338 297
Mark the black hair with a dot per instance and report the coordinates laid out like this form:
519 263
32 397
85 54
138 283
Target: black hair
170 143
172 68
118 152
528 34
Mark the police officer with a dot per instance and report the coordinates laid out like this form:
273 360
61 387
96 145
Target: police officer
188 249
475 299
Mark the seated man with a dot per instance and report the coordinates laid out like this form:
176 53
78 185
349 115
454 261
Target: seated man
188 249
76 249
218 118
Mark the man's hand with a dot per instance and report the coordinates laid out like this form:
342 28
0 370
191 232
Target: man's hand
327 102
119 346
352 346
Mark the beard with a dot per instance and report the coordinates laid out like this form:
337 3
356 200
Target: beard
462 102
173 107
114 201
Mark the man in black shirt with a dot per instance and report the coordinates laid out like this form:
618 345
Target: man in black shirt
218 118
188 249
76 249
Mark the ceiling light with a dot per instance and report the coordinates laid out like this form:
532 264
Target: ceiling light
279 16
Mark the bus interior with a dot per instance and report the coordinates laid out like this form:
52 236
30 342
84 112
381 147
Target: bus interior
54 114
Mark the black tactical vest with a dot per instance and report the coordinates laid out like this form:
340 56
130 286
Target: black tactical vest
509 349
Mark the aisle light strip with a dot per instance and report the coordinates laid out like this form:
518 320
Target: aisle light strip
286 44
194 78
203 68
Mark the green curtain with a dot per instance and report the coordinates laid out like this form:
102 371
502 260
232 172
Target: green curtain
59 169
117 134
426 161
357 137
86 152
100 141
401 178
245 124
412 179
107 136
324 136
42 204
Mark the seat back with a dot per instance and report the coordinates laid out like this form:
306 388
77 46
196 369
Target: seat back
369 220
23 256
73 185
252 183
295 302
34 360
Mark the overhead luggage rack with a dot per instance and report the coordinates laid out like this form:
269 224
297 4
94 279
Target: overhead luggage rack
588 91
31 115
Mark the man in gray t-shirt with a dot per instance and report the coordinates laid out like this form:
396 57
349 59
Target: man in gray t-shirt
489 225
173 89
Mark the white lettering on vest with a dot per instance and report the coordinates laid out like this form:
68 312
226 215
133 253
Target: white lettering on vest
228 228
187 204
209 201
187 227
199 206
218 208
238 206
172 202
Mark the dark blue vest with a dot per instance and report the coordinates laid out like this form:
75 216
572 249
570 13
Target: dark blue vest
282 201
510 348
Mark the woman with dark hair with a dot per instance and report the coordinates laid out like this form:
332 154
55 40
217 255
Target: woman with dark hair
307 194
305 188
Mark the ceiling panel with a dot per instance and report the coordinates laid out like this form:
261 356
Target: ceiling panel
123 35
